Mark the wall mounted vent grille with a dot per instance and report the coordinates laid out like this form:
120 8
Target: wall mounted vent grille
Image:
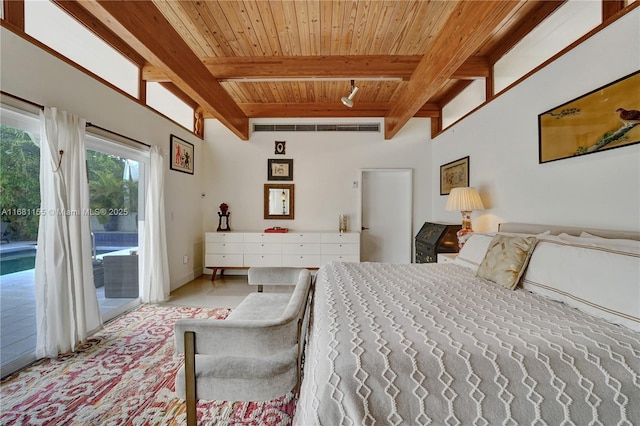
368 127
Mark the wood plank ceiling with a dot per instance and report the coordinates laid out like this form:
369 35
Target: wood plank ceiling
284 58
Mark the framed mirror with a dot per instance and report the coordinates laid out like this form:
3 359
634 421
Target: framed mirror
278 201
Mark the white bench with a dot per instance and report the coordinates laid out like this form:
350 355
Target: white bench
262 276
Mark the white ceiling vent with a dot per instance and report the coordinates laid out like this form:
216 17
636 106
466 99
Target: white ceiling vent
366 127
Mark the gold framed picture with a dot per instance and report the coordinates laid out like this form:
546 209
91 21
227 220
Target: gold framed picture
453 175
605 118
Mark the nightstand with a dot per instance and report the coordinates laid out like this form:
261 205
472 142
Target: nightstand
447 257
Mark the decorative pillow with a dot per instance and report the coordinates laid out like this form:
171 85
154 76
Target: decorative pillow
506 259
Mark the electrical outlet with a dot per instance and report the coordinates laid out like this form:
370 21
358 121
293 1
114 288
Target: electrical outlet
185 259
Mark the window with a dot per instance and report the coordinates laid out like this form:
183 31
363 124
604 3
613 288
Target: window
169 104
472 96
55 28
568 23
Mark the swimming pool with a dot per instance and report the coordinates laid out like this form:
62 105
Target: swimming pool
24 258
17 260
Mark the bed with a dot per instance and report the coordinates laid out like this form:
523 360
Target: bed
438 344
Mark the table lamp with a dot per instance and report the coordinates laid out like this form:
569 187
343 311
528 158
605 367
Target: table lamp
465 199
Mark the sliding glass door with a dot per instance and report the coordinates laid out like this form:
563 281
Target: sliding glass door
19 207
116 176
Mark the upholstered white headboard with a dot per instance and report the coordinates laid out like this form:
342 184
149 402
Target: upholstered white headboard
530 228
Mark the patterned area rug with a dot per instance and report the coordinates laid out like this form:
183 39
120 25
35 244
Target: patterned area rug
124 375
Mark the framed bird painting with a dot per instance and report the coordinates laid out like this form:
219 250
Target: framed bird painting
605 118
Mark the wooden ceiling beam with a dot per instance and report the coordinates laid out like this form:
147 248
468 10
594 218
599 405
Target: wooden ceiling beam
464 32
313 66
373 66
326 109
141 25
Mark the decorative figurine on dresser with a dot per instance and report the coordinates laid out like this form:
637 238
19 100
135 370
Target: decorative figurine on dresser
223 218
435 238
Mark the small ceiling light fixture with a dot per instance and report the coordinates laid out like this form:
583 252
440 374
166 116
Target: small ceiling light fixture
348 101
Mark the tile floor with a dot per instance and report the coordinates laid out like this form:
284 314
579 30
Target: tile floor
224 292
17 309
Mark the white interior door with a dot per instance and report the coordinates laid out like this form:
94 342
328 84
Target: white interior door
386 215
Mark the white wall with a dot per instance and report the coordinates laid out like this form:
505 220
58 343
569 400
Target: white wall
325 165
31 73
600 190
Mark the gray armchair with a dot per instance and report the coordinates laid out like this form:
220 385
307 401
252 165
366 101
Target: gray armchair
253 355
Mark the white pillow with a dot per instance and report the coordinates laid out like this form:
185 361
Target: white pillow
601 281
592 240
473 251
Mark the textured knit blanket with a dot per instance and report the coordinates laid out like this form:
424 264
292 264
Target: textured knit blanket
433 344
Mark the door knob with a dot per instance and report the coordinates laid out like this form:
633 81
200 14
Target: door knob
364 228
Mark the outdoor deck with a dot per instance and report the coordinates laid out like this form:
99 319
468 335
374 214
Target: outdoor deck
18 314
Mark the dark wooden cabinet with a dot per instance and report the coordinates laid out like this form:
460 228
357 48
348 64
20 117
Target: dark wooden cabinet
435 238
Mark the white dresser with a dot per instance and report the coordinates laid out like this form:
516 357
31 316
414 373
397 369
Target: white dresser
241 250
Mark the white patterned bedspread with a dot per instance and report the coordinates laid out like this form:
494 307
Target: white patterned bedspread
433 344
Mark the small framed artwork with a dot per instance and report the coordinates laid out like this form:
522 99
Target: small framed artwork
605 118
280 147
280 169
181 158
453 175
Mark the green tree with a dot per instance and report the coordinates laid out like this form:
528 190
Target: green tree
19 183
107 193
98 162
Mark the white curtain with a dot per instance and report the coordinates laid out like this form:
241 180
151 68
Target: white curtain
66 303
155 269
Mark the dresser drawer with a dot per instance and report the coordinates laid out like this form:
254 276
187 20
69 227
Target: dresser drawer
447 257
223 237
223 248
301 237
301 260
262 248
262 260
220 260
353 249
343 238
300 248
262 237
